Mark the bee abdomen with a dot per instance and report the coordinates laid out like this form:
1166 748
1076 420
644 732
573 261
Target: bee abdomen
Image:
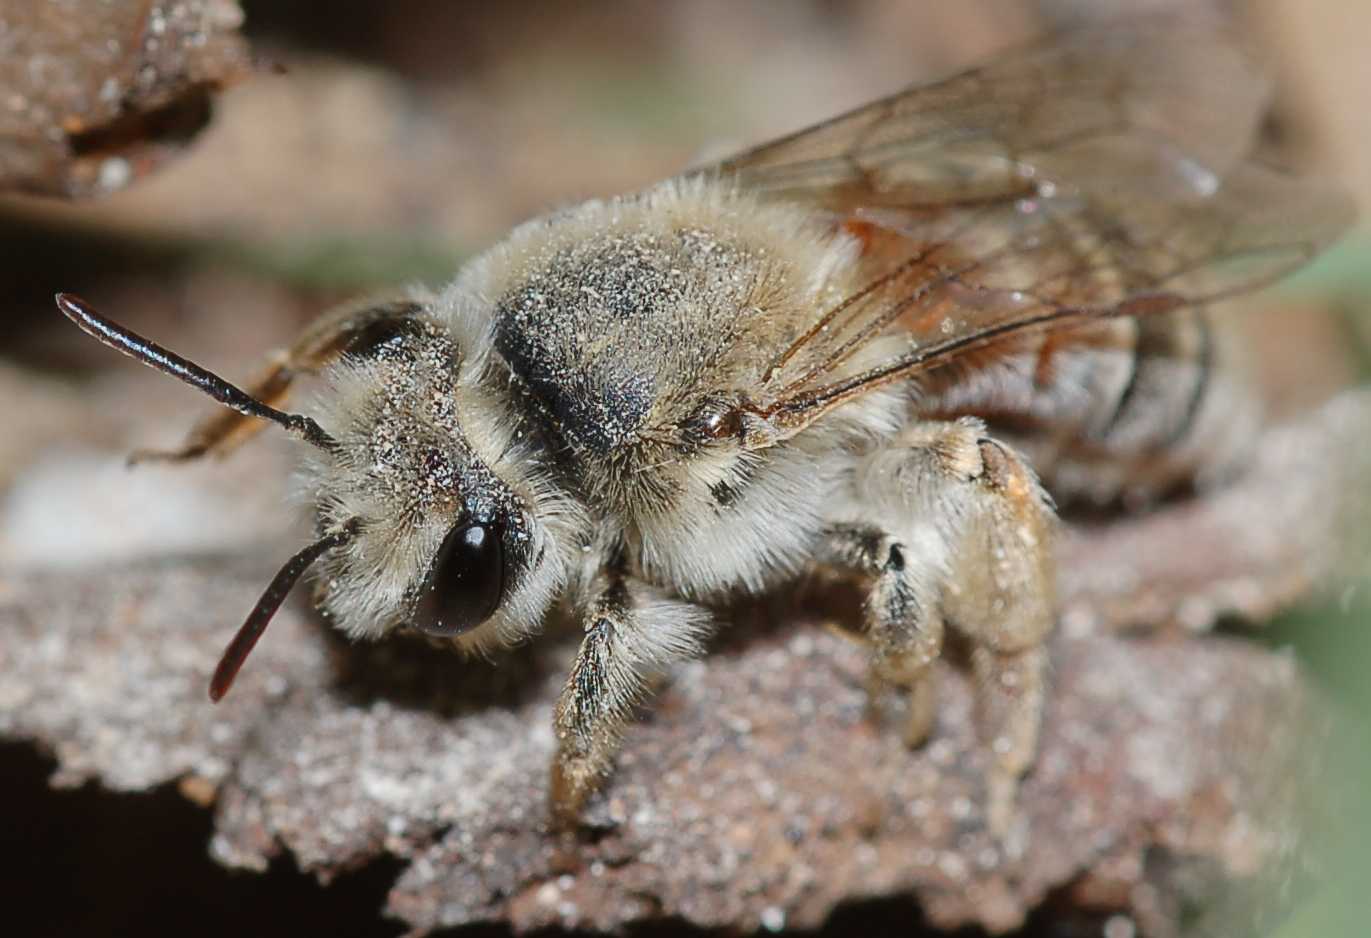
1164 385
1130 410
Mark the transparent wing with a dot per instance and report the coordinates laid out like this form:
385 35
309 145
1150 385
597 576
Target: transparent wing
1105 174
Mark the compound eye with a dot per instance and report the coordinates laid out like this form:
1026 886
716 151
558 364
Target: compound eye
466 582
369 338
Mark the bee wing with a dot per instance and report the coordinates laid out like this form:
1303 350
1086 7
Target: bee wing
1105 174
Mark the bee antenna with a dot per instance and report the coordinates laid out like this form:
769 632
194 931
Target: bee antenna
169 363
260 617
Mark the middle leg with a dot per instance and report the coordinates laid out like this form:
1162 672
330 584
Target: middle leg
903 620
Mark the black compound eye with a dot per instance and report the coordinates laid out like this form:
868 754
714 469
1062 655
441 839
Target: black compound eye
367 339
466 582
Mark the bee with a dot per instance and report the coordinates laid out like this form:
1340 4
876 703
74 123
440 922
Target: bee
879 346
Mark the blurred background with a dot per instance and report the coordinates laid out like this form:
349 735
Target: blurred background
369 144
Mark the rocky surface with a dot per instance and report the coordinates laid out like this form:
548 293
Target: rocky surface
97 94
758 790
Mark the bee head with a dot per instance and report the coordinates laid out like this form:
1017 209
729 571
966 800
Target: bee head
459 532
432 510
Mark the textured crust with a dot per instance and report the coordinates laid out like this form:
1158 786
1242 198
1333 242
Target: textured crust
740 801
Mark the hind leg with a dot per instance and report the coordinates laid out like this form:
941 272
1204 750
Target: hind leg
967 534
1001 593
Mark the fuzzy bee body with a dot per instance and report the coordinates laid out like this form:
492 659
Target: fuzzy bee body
858 347
650 314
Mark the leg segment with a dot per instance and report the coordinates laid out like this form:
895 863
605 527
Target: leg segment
976 530
352 327
903 619
1002 594
632 635
1011 691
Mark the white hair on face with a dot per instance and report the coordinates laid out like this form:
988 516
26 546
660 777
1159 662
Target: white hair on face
450 408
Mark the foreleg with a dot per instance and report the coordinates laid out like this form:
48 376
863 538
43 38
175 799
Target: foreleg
632 635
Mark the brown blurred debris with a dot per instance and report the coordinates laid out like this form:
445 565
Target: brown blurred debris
94 95
521 109
756 791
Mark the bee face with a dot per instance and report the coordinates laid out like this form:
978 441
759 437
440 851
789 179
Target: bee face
457 534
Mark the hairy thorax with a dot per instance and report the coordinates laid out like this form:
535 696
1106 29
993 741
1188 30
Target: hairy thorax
628 323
